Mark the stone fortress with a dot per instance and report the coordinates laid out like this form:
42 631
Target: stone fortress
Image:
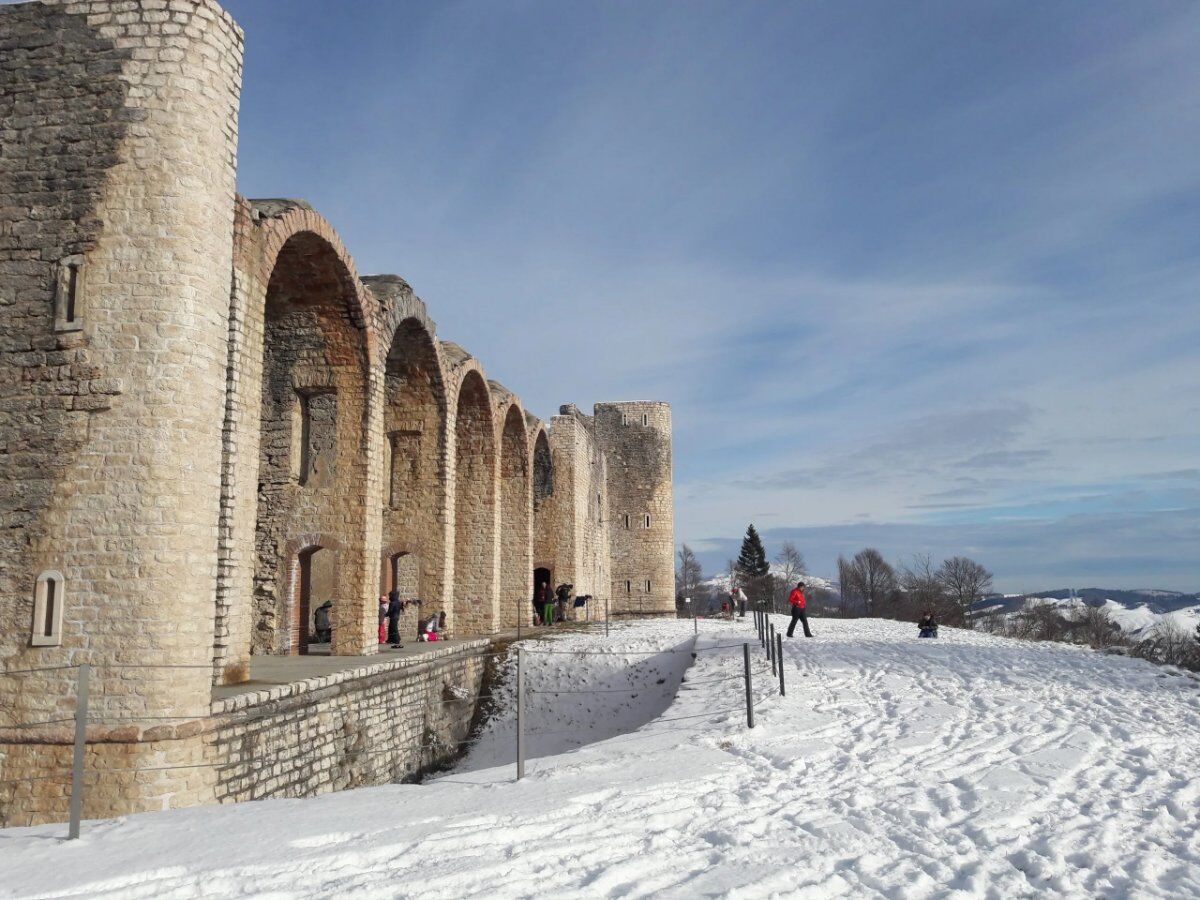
210 423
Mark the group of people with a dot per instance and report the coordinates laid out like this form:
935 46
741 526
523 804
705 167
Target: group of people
548 607
391 606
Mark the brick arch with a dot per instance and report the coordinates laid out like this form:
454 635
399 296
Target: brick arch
294 552
415 421
318 386
473 606
516 521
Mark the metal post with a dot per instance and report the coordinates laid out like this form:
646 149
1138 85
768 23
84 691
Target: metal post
774 651
695 625
520 717
749 687
779 653
81 714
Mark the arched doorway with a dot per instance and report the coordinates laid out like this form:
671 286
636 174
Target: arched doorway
515 521
315 597
312 456
474 598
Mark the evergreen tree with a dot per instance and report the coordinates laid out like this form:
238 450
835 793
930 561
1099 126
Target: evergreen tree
752 561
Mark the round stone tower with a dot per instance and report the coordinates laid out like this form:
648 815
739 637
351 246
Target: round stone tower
635 437
115 294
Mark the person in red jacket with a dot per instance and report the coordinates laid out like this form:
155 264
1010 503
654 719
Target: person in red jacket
796 598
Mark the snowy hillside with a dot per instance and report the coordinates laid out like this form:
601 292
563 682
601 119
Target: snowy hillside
967 766
1135 620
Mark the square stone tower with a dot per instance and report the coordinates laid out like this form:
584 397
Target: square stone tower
635 438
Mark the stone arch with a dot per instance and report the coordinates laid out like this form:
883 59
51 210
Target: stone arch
414 476
473 607
314 434
544 524
312 563
516 558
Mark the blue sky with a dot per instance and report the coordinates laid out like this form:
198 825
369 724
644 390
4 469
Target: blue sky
919 275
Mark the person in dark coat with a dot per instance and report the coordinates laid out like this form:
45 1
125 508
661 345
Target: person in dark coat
321 624
394 608
798 602
561 598
928 625
541 601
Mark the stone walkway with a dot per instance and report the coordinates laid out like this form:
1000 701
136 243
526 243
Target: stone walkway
271 671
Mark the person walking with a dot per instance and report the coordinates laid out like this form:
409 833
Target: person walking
383 619
796 599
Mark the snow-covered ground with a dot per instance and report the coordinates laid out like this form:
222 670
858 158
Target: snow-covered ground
968 766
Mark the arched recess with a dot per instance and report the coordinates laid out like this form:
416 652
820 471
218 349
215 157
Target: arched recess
545 545
414 484
312 475
474 596
516 550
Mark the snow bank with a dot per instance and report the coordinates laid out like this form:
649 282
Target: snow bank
968 766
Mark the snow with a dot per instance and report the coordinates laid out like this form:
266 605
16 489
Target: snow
967 766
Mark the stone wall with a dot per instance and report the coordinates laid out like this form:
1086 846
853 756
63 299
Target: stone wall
386 722
580 504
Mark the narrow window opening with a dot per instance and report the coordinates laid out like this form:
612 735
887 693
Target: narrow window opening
48 612
647 521
49 598
647 585
624 419
305 438
627 520
645 419
72 290
629 587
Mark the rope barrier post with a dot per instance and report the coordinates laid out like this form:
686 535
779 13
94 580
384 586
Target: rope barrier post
749 687
81 714
695 624
779 654
520 717
774 651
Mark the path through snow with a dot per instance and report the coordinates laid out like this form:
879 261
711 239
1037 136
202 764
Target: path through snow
969 766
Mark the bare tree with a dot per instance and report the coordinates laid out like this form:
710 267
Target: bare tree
966 581
924 590
688 578
1095 627
791 567
869 577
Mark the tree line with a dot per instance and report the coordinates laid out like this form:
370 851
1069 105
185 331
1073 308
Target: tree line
868 585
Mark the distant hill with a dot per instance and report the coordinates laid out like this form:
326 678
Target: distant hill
1136 612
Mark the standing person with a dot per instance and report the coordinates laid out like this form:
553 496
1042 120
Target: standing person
394 608
547 606
321 622
796 599
740 596
540 598
383 610
561 597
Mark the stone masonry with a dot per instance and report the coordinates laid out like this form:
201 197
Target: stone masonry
210 423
